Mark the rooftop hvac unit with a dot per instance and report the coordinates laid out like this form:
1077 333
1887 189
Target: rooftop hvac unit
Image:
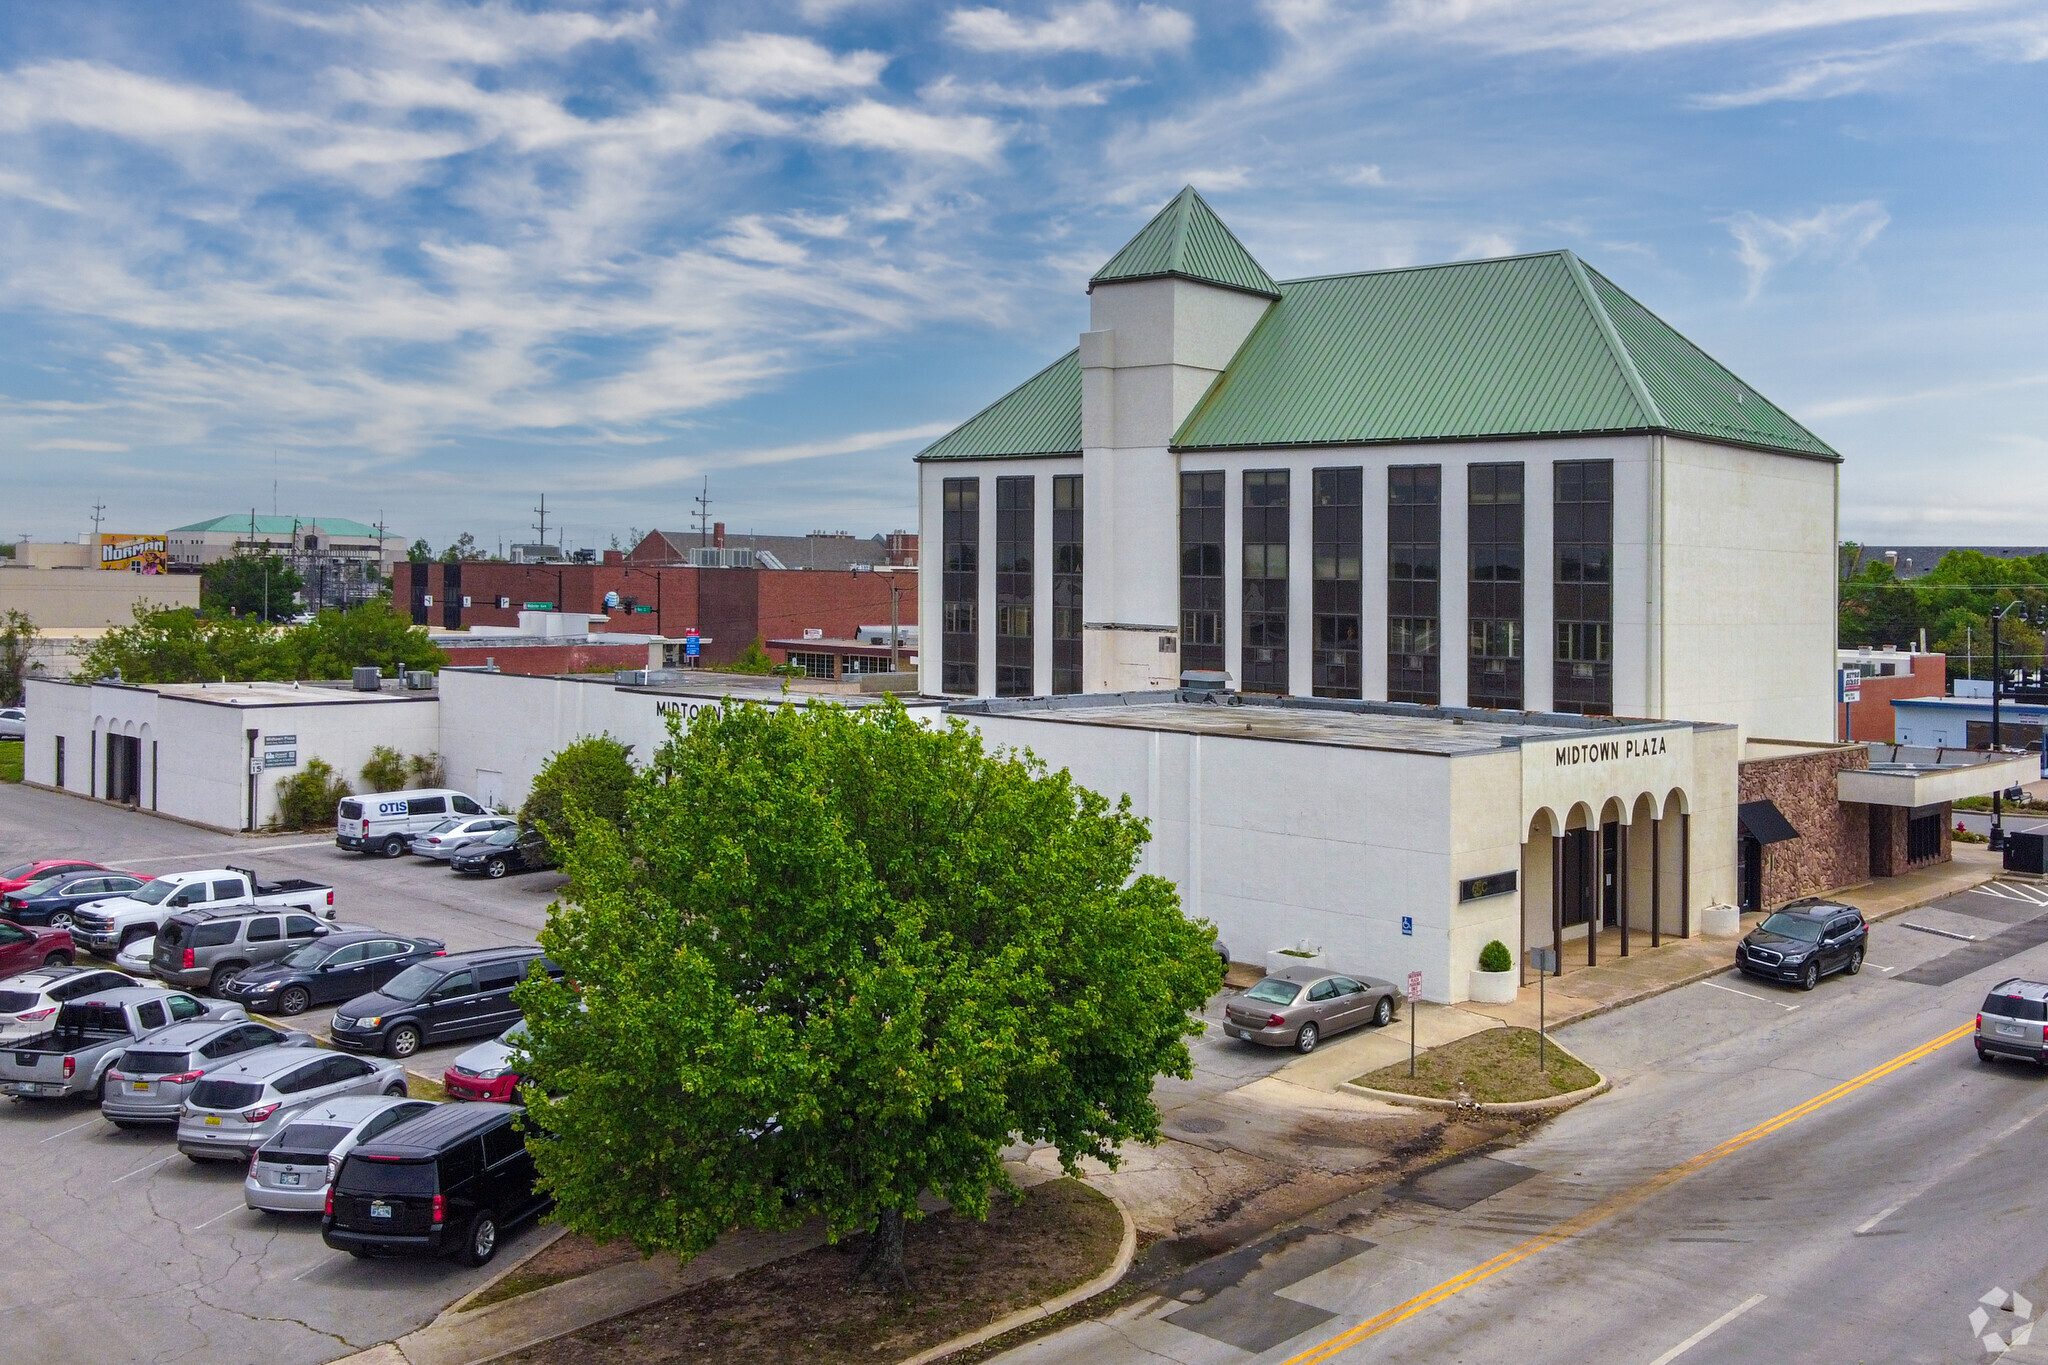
631 677
368 678
419 680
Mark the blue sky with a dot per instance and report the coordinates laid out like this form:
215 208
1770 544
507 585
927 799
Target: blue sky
428 260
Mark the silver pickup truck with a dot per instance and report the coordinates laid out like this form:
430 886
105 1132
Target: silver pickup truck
72 1058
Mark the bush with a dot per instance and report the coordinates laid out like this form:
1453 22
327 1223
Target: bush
306 799
753 659
594 774
1495 957
390 771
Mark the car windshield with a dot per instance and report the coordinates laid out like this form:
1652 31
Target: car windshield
413 983
305 1143
312 955
1793 926
1273 991
14 1002
20 871
153 893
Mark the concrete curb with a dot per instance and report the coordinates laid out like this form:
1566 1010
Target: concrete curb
1032 1313
462 1305
1505 1108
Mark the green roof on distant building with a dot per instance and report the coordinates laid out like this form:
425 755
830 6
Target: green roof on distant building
284 526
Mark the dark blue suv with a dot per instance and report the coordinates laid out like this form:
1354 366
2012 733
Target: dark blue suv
1806 941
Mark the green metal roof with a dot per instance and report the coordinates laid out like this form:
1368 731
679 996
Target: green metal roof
282 526
1041 416
1186 239
1519 346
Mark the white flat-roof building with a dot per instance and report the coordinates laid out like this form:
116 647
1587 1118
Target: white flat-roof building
1499 483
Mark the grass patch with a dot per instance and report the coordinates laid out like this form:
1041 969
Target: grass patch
964 1274
1497 1066
424 1087
11 760
567 1257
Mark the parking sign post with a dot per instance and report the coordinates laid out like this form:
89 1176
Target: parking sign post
1414 999
1544 960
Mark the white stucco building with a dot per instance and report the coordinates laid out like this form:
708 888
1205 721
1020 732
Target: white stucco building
1498 483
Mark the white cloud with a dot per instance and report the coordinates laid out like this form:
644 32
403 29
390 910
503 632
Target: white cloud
479 35
1825 78
1368 175
15 185
777 64
1481 245
89 447
869 123
1613 27
948 91
1832 232
671 470
1092 26
109 99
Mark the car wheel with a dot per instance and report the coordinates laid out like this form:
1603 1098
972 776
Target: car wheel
482 1242
396 1090
394 847
221 975
295 1000
1984 1056
1809 978
60 958
402 1041
495 868
1383 1013
62 920
1305 1041
1855 963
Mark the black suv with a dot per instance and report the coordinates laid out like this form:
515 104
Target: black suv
462 995
1804 942
453 1180
349 961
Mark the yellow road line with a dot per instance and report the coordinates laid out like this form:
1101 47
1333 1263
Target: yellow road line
1617 1203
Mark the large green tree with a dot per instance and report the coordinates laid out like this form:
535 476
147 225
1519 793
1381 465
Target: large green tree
250 584
837 959
594 774
178 645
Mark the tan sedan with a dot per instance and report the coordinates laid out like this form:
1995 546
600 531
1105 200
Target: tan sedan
1301 1006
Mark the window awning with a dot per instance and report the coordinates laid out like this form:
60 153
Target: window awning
1764 822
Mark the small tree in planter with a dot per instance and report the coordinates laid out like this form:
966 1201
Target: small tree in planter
1494 983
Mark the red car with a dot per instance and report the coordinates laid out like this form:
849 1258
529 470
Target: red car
15 878
23 949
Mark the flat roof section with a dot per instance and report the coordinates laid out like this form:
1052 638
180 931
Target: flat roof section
1445 731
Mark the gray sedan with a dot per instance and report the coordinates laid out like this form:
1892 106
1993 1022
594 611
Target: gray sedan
238 1107
1302 1006
150 1082
445 839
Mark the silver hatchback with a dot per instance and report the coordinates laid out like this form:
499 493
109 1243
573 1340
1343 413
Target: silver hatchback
238 1107
150 1082
2014 1022
291 1172
1301 1006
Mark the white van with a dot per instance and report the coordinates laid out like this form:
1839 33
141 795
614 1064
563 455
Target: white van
386 822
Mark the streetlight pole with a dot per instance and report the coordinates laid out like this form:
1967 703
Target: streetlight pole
1997 690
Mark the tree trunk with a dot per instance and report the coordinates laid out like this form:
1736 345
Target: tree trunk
882 1262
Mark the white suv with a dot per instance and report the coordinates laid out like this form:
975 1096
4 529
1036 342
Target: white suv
387 822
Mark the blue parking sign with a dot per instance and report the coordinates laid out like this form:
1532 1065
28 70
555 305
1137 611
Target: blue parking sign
692 646
1407 926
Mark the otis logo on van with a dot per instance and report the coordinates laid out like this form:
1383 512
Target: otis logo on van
1609 750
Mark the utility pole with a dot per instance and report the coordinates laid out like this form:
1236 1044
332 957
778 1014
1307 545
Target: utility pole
703 501
99 514
1998 688
542 526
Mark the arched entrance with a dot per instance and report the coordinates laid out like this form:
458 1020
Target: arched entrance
1596 882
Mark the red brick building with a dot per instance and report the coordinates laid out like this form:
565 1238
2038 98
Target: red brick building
728 607
1889 675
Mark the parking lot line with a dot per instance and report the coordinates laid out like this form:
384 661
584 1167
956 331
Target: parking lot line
140 1169
313 1267
72 1129
231 853
1870 1223
1766 999
218 1216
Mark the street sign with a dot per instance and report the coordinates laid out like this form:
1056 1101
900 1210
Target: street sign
1543 959
1414 988
693 645
281 758
1407 926
1852 694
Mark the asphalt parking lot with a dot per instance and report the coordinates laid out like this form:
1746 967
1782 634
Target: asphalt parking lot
114 1239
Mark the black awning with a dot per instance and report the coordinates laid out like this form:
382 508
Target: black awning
1764 822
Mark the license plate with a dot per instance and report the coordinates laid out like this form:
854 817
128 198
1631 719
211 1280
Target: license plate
2010 1030
289 1179
141 1087
213 1120
379 1209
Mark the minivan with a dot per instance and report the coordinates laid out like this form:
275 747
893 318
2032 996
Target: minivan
2014 1022
451 1181
203 948
387 822
462 995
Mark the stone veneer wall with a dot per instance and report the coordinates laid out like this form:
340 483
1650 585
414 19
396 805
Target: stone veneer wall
1888 840
1833 847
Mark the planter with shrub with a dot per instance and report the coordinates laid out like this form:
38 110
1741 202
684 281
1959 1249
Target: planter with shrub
1494 982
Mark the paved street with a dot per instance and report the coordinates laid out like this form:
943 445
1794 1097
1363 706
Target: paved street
115 1240
1862 1228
